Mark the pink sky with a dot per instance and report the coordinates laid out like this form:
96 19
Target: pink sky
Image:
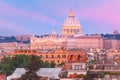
44 16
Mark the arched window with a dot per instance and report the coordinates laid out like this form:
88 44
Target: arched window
52 56
71 57
79 57
46 56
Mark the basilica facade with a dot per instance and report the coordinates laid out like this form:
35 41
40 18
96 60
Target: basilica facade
71 37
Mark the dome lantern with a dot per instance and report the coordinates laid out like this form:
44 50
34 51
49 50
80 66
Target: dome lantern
71 14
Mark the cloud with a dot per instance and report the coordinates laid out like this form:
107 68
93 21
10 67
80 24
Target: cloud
9 10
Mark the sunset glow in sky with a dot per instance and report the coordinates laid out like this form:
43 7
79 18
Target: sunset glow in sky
18 17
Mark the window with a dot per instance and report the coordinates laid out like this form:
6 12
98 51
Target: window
71 57
15 51
67 31
29 51
58 56
58 61
25 51
79 57
77 67
46 56
40 56
21 51
34 51
52 56
63 56
33 40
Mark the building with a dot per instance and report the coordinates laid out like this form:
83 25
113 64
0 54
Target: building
111 44
48 73
3 77
13 46
74 59
88 42
71 37
52 41
23 37
56 56
76 65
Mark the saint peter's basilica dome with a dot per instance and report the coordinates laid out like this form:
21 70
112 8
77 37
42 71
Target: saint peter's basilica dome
71 26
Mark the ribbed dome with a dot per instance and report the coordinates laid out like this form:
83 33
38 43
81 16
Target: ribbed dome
70 22
71 25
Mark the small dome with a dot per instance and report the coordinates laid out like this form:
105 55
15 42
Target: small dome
53 32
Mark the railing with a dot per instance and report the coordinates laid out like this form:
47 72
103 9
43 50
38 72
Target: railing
107 70
77 70
93 79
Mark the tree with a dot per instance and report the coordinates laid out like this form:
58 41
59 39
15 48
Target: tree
102 74
20 61
81 76
64 74
52 64
46 65
8 64
61 64
32 68
88 76
92 61
35 63
4 65
30 75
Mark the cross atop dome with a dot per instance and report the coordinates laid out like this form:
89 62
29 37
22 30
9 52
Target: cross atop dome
71 14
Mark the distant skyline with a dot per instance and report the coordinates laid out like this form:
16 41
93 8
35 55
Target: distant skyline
37 17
